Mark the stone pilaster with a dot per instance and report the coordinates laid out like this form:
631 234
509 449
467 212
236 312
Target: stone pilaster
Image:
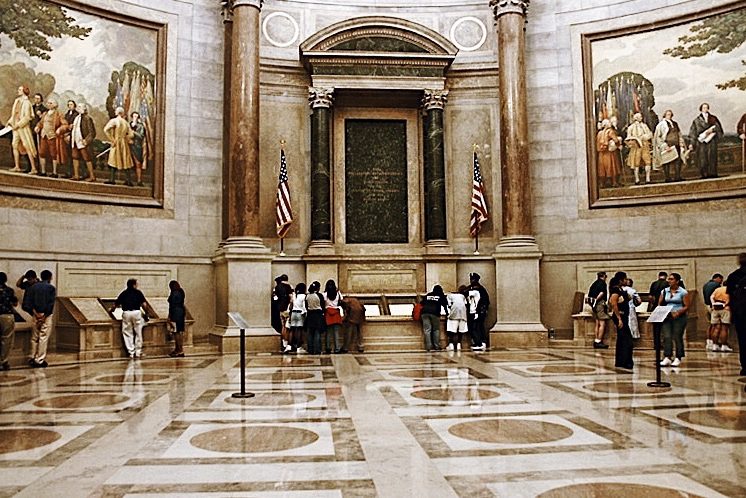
434 167
242 263
321 100
517 256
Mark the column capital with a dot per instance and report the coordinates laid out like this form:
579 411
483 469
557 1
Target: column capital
500 7
226 7
320 97
232 4
434 99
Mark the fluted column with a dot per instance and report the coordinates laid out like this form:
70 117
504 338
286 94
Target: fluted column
510 18
243 175
434 165
320 100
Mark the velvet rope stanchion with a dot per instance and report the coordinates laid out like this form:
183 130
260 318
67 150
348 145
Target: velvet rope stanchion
656 318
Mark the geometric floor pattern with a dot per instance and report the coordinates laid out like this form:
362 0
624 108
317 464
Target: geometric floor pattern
545 423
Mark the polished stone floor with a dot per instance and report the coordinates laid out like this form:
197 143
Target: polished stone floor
511 423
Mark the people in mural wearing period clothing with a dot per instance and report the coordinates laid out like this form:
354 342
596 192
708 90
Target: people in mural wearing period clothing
119 133
21 116
638 140
50 128
675 324
177 316
704 134
66 151
137 146
83 131
608 145
668 144
741 127
38 109
619 309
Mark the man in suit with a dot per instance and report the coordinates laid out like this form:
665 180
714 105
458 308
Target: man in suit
20 122
705 133
81 139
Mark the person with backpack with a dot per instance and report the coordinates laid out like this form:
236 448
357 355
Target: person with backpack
736 288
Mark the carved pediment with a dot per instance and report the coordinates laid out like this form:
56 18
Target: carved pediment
378 46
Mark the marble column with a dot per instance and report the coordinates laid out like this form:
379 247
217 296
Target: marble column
242 261
517 256
434 166
320 100
227 13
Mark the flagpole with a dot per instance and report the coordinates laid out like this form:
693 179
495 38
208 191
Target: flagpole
475 147
282 239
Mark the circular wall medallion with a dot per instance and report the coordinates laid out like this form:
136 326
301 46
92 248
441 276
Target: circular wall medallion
614 490
510 431
280 29
421 373
468 33
122 378
455 394
81 400
731 417
279 376
12 440
280 398
562 369
254 439
624 388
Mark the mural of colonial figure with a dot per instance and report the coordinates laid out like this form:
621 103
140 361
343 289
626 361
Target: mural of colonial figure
705 133
608 145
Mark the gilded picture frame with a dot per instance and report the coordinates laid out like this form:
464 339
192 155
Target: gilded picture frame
665 110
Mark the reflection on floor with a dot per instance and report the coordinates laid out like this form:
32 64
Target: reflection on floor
541 422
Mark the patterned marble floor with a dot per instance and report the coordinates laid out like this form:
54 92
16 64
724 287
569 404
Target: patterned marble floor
512 423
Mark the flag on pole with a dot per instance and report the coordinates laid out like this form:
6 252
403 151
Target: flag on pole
284 209
478 202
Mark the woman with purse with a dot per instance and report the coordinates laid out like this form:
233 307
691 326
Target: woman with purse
177 317
333 315
675 324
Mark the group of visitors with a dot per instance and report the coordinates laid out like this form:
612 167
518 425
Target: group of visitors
39 296
323 322
465 310
725 300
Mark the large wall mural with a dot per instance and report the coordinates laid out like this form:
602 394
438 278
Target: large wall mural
80 104
666 110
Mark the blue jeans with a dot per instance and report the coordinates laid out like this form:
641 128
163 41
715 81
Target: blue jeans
314 341
332 336
673 333
431 330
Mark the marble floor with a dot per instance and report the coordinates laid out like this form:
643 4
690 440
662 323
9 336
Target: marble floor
512 423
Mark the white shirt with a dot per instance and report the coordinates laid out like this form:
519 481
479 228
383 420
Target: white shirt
77 135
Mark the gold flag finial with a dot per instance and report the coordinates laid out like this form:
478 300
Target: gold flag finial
282 143
475 146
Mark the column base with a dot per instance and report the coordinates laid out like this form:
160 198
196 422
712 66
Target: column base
321 248
517 296
437 247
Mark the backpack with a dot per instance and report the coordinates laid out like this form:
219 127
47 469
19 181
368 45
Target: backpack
417 312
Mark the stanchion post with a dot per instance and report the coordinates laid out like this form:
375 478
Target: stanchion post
242 348
657 345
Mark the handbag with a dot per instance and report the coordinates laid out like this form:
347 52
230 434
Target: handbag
417 312
333 317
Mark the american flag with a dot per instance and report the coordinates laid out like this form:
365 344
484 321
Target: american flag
478 202
284 209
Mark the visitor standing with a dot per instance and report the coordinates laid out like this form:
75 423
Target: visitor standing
298 317
456 325
354 316
736 286
177 316
597 296
333 315
132 301
8 301
315 323
675 324
42 296
432 303
479 303
707 290
619 308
